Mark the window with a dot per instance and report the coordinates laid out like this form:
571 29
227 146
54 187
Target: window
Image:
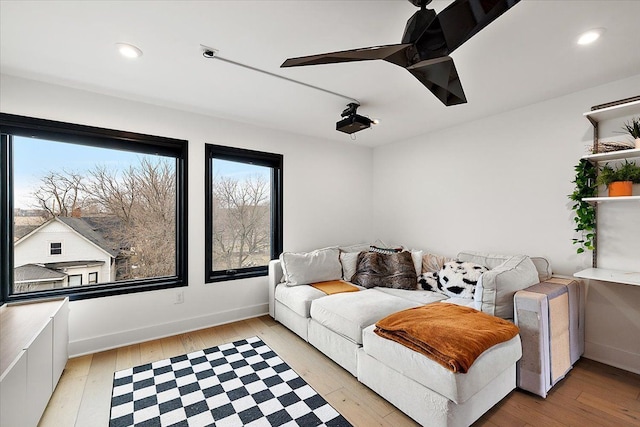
117 200
55 248
75 280
243 227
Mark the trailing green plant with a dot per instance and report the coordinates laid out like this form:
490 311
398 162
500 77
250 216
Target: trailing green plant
633 127
628 171
585 213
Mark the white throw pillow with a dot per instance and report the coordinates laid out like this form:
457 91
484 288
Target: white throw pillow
349 261
543 266
311 267
507 275
416 257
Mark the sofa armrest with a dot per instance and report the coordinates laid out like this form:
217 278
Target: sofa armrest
275 277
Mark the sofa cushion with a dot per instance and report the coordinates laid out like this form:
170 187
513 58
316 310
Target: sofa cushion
395 270
348 314
298 298
507 275
419 296
454 386
302 268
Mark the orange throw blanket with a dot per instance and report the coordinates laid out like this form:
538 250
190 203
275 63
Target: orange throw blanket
335 287
452 335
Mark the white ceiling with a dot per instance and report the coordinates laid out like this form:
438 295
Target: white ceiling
527 55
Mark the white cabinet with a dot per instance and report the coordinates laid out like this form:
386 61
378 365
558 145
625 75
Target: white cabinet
60 342
13 392
39 373
34 341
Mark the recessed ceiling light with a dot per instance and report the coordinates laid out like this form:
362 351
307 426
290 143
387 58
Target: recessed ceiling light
590 36
128 50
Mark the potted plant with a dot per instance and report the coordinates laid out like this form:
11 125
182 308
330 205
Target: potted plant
633 129
585 212
619 181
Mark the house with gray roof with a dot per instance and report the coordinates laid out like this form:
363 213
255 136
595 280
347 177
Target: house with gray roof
62 252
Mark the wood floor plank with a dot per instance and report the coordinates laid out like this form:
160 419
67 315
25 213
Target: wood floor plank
209 337
501 418
128 357
192 342
150 351
350 406
172 346
592 394
96 397
626 411
398 418
518 405
64 405
78 366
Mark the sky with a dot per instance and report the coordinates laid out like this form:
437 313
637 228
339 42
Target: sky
34 158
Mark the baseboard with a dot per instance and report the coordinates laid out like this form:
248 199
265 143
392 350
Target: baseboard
612 356
134 336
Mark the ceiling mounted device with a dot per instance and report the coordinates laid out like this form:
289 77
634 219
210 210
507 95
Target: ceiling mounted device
428 40
353 122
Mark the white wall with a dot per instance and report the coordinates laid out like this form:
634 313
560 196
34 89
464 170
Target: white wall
497 184
500 184
327 201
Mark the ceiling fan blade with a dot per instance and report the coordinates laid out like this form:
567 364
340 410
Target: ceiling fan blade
462 19
394 53
440 76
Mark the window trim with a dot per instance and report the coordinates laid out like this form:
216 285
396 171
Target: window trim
11 124
260 158
94 273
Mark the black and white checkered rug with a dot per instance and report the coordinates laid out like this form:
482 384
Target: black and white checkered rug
243 383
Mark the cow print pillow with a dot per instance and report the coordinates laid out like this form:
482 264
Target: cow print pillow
429 281
459 279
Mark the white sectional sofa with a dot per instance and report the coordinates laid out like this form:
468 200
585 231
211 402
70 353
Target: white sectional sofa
342 327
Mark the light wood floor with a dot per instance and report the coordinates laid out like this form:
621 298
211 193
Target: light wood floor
593 394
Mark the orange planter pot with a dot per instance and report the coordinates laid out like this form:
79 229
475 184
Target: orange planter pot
620 188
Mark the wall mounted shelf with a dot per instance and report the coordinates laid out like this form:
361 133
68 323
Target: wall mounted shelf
613 155
610 199
628 108
614 276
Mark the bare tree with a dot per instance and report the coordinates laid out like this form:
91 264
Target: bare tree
60 193
143 199
241 231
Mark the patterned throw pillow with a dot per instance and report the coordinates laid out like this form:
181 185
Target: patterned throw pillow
385 270
459 279
429 282
386 251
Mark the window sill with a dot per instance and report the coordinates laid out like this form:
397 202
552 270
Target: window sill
89 292
221 277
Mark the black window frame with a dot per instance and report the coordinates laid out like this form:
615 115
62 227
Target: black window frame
259 158
58 249
11 124
89 282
